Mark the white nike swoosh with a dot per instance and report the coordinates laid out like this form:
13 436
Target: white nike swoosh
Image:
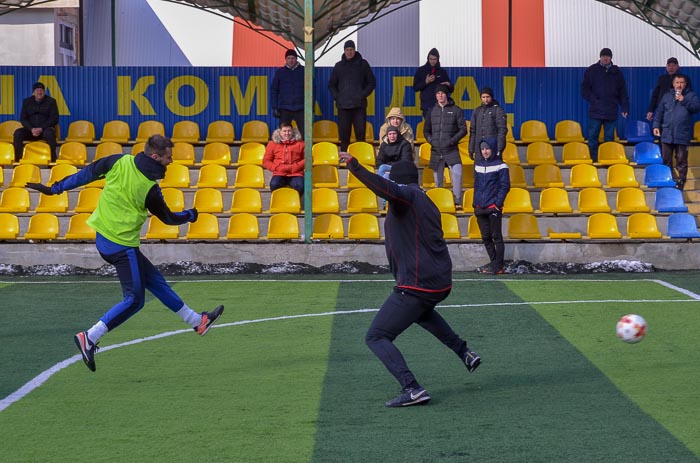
414 397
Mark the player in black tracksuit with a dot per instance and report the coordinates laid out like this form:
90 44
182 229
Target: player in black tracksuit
421 264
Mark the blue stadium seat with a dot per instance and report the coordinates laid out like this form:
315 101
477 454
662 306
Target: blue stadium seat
658 176
646 153
682 225
669 200
638 131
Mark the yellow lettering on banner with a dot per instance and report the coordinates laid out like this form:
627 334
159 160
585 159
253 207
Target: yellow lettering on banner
53 89
201 95
126 95
398 95
466 84
230 86
7 94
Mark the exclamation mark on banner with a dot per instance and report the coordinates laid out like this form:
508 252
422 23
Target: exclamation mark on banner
509 95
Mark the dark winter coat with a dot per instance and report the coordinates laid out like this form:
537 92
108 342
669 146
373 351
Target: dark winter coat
287 89
488 121
351 82
427 91
39 114
491 181
675 118
390 153
605 89
443 129
663 85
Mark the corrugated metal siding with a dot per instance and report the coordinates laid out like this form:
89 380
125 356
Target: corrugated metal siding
393 40
454 28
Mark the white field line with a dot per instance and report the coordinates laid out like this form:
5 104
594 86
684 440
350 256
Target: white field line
40 379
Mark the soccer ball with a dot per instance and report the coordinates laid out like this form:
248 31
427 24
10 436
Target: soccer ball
631 328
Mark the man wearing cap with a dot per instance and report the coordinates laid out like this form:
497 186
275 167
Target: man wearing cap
443 129
488 120
427 78
351 82
605 89
420 261
664 84
39 118
287 92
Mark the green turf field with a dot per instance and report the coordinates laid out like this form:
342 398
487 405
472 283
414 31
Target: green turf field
286 377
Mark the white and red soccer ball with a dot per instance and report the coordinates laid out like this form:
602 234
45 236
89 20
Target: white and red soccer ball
631 328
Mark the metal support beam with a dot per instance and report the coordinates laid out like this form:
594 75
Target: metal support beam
308 113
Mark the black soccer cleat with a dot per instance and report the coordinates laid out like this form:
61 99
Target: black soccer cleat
471 360
87 349
409 396
208 319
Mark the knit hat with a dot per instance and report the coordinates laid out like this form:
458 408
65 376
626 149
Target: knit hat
672 60
38 85
291 52
606 52
442 88
404 172
349 44
489 142
393 129
487 91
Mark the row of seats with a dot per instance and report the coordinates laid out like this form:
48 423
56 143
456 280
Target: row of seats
245 226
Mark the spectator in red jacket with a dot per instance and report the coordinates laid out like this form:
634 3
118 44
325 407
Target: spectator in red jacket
284 157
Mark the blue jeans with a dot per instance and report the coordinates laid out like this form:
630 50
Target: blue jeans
281 181
594 131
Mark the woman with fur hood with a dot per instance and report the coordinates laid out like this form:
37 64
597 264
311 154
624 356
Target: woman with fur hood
396 118
284 157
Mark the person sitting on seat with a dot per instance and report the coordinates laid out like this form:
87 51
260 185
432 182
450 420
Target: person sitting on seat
39 118
397 119
394 150
284 157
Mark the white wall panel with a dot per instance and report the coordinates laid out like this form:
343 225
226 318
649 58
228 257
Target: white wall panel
454 28
333 55
27 38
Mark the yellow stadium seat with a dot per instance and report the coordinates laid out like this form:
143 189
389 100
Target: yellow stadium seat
468 176
208 200
246 200
251 153
157 230
205 228
540 153
243 226
584 176
592 200
14 199
81 132
554 201
7 153
601 135
568 131
149 128
215 176
428 179
42 227
510 138
9 226
510 154
642 225
283 226
176 176
450 226
576 153
517 200
220 131
369 133
285 200
249 176
185 132
465 138
362 200
78 229
137 148
325 176
37 153
621 176
353 181
116 132
443 199
59 172
325 131
631 200
561 235
517 176
324 201
328 227
175 199
420 136
363 226
87 199
533 131
468 200
473 231
610 153
603 226
216 153
183 153
7 130
255 131
72 152
52 203
547 175
523 227
99 183
25 173
424 154
463 148
2 176
363 152
696 131
324 153
107 148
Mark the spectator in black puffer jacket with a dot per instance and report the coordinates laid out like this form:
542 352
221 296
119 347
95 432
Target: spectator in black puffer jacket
427 78
488 121
491 185
396 149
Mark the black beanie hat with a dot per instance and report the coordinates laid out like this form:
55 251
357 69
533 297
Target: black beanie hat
392 129
490 142
442 88
606 52
488 91
290 52
38 85
404 172
349 44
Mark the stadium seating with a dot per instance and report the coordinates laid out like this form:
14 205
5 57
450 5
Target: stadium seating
547 175
42 226
696 131
255 131
592 200
576 153
424 154
540 153
205 228
220 131
428 179
467 177
450 226
107 148
243 226
510 137
669 200
216 176
285 200
216 153
246 200
78 229
328 226
72 152
353 182
283 226
9 226
59 172
601 135
25 173
324 153
638 131
568 131
208 200
679 225
324 201
147 129
642 225
324 176
443 199
533 131
81 132
369 133
517 176
251 153
157 230
523 227
185 132
363 152
176 176
603 226
37 153
562 235
248 176
363 226
584 176
14 199
174 198
464 153
2 176
183 153
362 200
325 131
7 130
137 148
510 154
419 135
610 153
621 176
116 132
473 232
468 200
87 199
629 200
658 176
7 153
517 200
646 153
52 203
554 201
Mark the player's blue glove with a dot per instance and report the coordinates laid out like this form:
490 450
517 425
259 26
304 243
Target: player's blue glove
192 215
40 187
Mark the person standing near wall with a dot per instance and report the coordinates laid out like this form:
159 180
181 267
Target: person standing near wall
488 121
426 80
287 92
664 84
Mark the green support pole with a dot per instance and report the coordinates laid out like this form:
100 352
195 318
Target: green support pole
308 113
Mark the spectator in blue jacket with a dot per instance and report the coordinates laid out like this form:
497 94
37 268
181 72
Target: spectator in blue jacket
287 92
491 185
605 89
673 122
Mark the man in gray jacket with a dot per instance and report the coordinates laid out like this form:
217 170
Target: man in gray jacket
488 121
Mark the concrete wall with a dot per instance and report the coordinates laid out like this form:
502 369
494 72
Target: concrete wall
27 38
